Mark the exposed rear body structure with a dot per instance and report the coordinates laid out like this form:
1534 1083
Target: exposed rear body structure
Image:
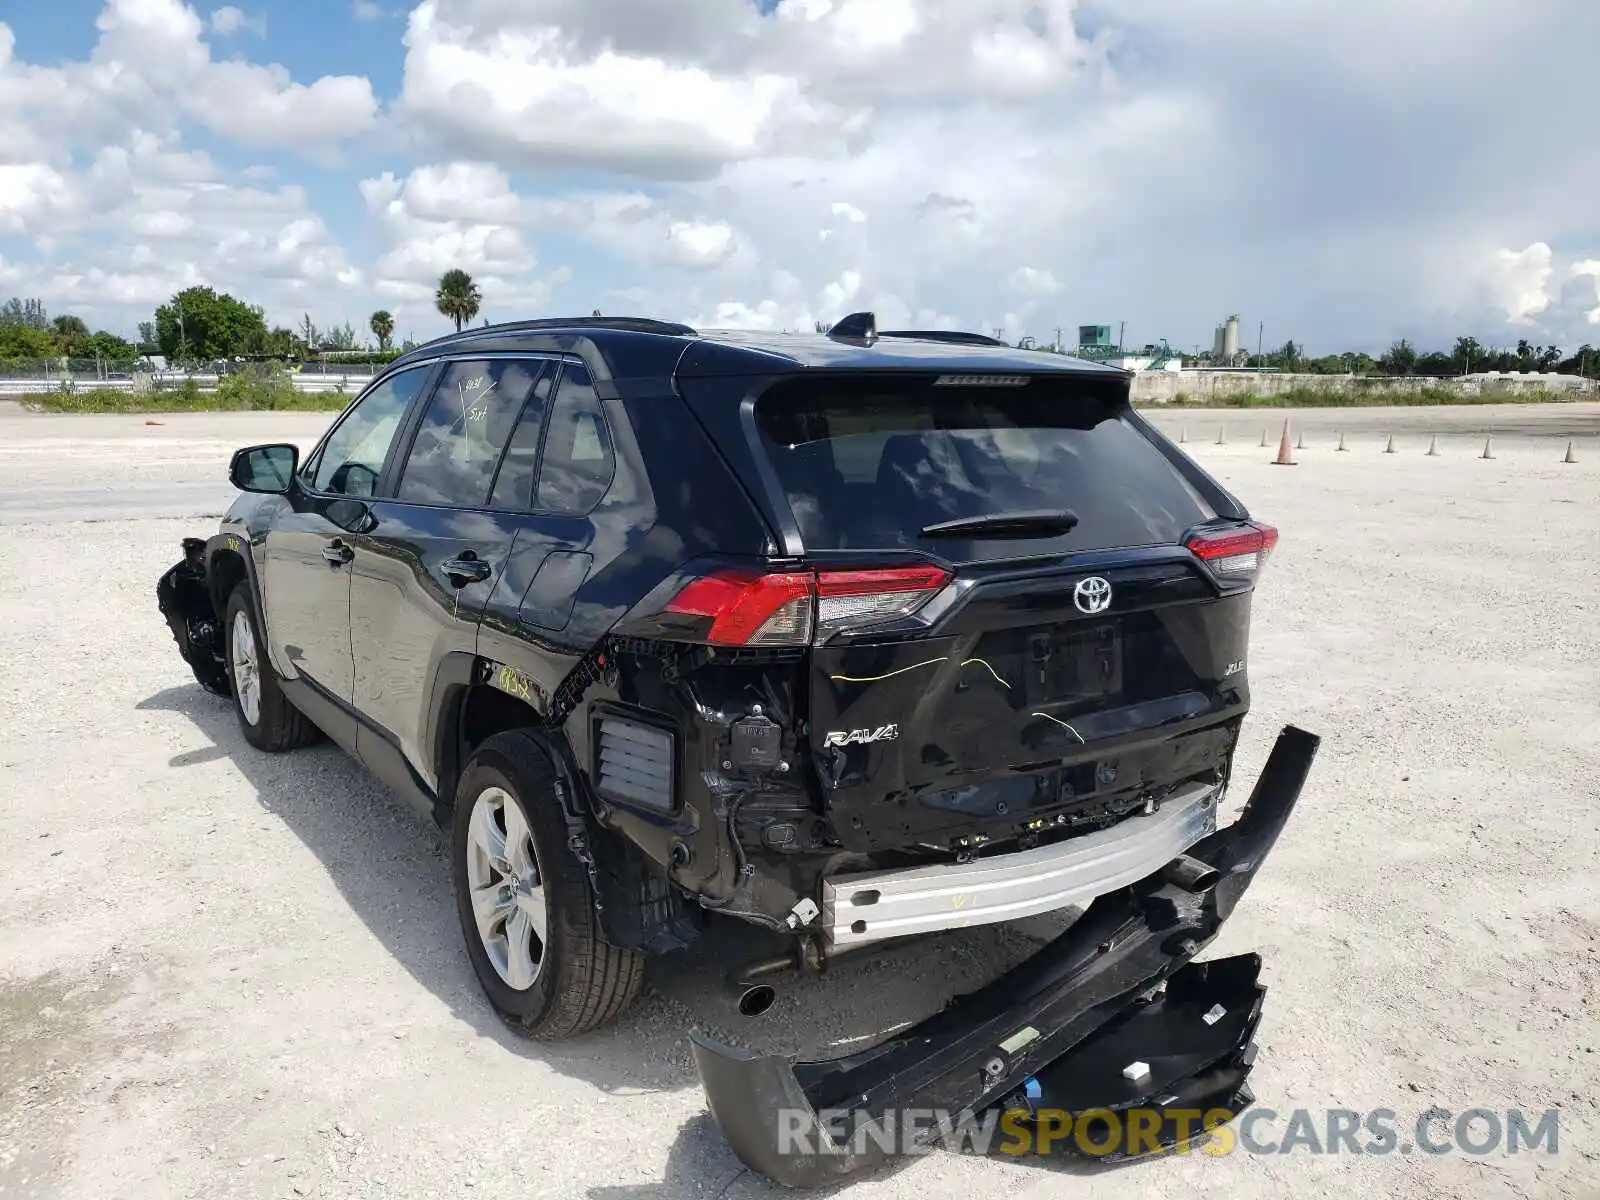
854 637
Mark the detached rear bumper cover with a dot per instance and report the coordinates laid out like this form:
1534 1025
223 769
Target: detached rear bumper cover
983 1046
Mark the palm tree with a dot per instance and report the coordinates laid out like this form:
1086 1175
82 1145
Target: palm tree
382 325
458 297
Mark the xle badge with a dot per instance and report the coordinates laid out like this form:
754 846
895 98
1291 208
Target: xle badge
860 737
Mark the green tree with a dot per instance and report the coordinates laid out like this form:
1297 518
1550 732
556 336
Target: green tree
339 337
309 334
25 312
70 332
458 297
382 326
1400 360
24 341
201 323
107 346
1467 353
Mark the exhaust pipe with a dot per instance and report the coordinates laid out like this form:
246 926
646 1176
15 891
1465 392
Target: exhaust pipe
757 1000
1191 874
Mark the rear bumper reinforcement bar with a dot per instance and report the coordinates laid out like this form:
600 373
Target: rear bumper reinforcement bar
875 905
800 1123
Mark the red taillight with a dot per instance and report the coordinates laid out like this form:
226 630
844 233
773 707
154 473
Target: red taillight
751 609
1238 552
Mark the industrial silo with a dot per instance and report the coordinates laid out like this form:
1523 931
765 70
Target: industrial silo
1225 346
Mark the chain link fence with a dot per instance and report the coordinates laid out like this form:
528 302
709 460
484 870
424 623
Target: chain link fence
31 376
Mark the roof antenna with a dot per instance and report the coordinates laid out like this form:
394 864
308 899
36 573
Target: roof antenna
857 327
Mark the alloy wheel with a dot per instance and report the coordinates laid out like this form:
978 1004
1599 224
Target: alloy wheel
508 900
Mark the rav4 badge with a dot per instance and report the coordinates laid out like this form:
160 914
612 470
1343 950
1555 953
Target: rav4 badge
860 737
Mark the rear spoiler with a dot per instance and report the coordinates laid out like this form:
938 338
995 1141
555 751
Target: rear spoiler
1067 1026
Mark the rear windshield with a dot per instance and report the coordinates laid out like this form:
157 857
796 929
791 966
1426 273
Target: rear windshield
867 464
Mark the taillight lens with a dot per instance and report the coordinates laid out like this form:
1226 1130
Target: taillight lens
1237 552
748 608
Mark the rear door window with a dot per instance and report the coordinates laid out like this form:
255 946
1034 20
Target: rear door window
868 463
578 459
468 422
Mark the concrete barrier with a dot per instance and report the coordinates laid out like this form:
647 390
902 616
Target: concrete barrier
1210 387
14 388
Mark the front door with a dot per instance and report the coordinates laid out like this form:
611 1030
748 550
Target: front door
434 547
306 560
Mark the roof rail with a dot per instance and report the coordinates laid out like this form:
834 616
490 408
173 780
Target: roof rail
623 324
943 335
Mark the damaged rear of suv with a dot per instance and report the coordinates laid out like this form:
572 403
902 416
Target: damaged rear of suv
857 638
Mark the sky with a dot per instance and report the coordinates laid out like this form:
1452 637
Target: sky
1343 172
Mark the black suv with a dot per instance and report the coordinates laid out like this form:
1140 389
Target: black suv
855 636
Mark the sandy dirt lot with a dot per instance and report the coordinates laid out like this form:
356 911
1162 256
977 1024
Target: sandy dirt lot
229 974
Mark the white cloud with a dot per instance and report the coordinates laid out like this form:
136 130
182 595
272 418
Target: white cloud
365 10
523 94
150 69
32 195
1519 281
229 20
462 191
1034 282
1589 269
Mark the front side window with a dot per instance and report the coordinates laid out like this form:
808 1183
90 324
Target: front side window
578 460
469 420
352 460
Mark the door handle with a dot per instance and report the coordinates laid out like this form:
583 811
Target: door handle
466 569
337 553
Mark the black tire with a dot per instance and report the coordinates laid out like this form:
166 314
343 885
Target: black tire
278 725
582 981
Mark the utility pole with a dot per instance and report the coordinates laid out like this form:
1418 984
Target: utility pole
1261 333
1059 346
1122 329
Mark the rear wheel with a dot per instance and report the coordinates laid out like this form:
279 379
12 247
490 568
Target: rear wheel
525 902
269 721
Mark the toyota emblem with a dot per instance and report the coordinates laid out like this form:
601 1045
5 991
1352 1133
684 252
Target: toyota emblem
1092 595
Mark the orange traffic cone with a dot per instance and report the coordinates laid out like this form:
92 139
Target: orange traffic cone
1285 454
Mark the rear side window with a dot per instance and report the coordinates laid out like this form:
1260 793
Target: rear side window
578 460
469 419
867 464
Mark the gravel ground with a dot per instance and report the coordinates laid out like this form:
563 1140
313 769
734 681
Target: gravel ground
229 974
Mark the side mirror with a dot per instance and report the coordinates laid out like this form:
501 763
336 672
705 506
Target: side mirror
264 468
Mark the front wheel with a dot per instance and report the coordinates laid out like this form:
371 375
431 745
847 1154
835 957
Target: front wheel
525 902
269 721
